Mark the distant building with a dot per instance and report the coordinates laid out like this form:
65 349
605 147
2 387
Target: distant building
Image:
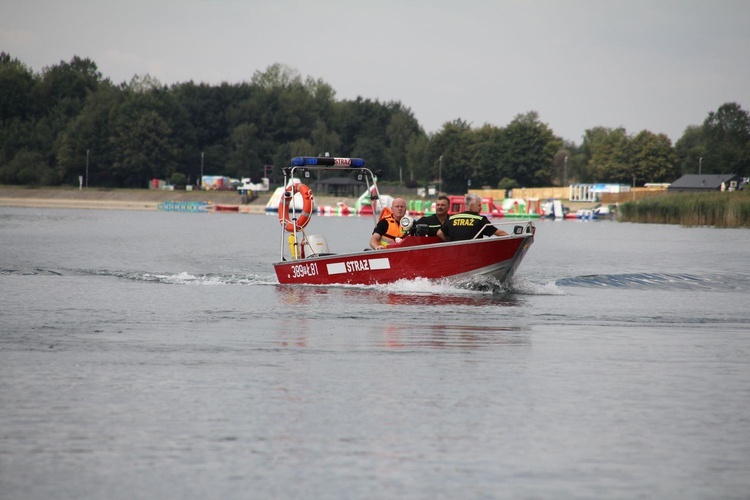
215 183
695 183
340 186
594 192
247 186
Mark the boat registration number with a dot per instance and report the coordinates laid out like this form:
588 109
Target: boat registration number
302 270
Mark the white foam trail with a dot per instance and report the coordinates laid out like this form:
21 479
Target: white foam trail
185 278
525 287
423 286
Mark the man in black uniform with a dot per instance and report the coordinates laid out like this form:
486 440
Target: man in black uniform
467 224
436 220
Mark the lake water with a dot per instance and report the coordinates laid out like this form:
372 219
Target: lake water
153 355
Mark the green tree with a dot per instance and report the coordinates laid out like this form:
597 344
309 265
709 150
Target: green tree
452 142
362 126
281 106
16 136
375 152
487 152
90 132
66 85
417 159
721 145
28 168
690 149
142 139
400 130
207 110
606 155
244 158
60 96
529 148
142 149
323 140
178 179
652 158
40 108
727 141
563 170
17 82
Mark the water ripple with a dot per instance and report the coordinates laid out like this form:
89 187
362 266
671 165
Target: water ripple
184 278
181 278
661 281
30 272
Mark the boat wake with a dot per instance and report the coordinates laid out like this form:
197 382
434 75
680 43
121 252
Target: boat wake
182 278
185 278
34 271
661 281
475 286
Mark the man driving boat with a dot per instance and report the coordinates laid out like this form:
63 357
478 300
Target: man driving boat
436 220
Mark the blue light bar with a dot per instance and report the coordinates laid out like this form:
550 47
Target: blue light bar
327 161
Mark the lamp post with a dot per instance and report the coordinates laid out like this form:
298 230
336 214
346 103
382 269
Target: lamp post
87 168
700 165
200 183
565 171
440 174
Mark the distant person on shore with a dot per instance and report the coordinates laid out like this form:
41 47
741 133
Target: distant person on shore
468 224
389 226
435 221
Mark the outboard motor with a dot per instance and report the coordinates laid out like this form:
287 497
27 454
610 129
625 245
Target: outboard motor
421 229
315 244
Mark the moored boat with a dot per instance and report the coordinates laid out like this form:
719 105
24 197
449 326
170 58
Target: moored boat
226 208
273 203
306 259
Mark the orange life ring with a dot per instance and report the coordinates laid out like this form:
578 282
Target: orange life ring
303 218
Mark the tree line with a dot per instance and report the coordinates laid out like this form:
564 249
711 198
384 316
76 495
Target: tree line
68 121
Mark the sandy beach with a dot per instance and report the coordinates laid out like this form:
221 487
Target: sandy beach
149 199
130 199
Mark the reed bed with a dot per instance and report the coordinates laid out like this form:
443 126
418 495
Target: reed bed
691 209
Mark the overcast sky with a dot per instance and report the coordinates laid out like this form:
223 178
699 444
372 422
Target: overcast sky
656 65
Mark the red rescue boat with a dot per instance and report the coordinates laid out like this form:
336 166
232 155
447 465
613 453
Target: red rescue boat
307 260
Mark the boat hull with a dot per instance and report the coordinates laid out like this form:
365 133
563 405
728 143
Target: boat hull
416 257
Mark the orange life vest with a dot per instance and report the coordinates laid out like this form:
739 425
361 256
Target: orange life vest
394 231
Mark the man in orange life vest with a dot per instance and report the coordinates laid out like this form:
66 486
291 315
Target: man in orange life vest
389 227
467 224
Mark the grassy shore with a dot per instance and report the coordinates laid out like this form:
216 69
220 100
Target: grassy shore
691 209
